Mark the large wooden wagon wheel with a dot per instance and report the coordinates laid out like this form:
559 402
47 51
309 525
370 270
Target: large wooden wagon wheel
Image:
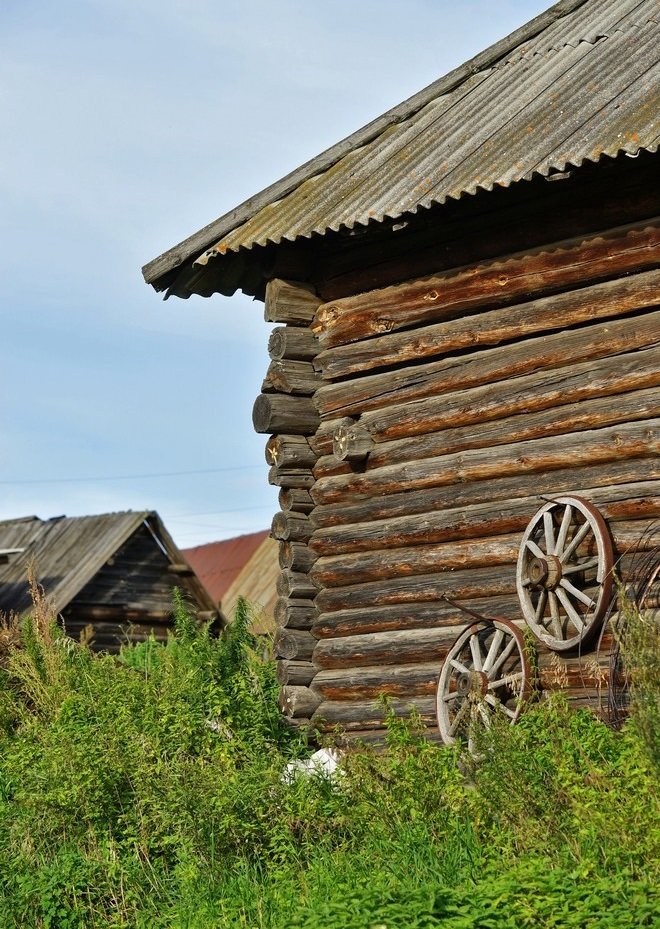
564 575
485 672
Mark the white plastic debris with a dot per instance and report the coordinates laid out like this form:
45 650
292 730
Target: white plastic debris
323 763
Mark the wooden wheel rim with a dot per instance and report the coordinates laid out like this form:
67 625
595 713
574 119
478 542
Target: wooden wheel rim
486 671
564 594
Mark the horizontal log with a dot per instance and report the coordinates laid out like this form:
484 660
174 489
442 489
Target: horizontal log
546 314
474 369
503 280
407 617
289 451
626 501
295 612
298 673
283 413
295 584
376 737
527 394
291 477
296 701
297 556
627 440
389 680
566 480
296 499
292 342
400 647
291 527
290 302
294 643
352 443
288 376
457 585
561 420
360 567
362 714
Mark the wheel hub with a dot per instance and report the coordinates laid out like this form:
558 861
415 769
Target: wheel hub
545 572
474 683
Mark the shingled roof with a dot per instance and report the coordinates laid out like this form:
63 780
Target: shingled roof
576 83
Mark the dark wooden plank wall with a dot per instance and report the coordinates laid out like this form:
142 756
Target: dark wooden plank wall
454 402
130 598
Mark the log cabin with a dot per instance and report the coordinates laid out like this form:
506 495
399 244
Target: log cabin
463 396
108 578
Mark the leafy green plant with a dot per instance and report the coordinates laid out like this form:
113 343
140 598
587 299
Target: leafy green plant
148 791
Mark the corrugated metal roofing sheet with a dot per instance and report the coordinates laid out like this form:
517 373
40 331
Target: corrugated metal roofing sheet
585 86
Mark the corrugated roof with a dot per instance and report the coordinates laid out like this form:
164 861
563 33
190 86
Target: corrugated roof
577 83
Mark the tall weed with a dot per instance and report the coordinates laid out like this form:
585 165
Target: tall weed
147 791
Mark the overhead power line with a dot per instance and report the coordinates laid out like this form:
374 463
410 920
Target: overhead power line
127 477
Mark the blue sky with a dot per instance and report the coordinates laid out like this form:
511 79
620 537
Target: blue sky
127 125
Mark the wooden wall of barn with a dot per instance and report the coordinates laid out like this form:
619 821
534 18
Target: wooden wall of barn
415 430
130 598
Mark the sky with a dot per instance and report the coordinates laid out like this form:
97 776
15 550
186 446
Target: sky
127 125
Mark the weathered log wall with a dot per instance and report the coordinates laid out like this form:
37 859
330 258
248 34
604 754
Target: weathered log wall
436 416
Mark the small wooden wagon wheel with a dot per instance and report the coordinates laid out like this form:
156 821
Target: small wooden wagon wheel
485 672
564 575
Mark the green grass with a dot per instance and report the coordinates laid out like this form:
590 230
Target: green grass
148 792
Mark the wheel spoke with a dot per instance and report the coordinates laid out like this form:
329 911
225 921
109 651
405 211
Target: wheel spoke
581 566
563 530
571 612
509 679
555 621
483 712
540 606
475 648
458 666
534 549
498 705
492 651
459 716
549 532
578 594
504 654
452 696
575 541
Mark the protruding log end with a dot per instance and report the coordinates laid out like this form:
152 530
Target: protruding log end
297 673
351 442
290 302
291 527
292 342
295 584
294 644
298 701
281 413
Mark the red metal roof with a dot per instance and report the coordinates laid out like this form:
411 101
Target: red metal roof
217 564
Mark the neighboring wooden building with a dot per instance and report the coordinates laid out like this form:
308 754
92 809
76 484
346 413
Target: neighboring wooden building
115 573
245 566
467 292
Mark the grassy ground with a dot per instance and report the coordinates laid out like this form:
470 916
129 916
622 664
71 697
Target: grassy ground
149 793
